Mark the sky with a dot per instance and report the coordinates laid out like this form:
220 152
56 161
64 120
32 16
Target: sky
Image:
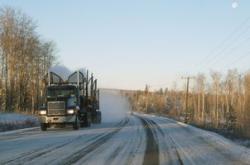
131 43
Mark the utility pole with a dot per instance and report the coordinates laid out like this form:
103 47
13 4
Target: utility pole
147 91
87 85
239 95
187 115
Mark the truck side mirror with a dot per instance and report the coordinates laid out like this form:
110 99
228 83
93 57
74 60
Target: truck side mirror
77 108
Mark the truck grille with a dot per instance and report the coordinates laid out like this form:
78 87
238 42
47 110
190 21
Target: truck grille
56 108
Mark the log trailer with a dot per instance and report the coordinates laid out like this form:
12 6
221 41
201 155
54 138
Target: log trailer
72 102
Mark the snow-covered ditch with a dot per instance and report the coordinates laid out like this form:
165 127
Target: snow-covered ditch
12 121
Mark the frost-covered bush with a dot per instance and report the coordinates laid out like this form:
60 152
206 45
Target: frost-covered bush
12 121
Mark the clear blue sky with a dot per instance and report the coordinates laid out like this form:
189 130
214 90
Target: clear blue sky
131 43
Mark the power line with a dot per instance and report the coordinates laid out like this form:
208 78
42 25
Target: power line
244 64
226 39
223 53
240 58
224 44
228 53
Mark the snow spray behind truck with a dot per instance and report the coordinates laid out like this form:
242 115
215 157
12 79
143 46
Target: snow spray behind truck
72 102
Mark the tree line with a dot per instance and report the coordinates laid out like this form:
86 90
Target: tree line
24 60
216 101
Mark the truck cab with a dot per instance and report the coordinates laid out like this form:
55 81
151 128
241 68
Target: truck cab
61 107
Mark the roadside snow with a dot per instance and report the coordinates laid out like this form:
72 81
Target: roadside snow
199 142
12 121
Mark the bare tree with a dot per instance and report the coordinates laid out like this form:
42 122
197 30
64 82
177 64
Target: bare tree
200 85
24 59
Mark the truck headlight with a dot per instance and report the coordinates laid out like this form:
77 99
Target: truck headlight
70 111
42 112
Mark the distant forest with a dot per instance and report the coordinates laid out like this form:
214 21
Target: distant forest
218 102
24 60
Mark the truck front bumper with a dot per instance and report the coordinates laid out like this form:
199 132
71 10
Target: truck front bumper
57 119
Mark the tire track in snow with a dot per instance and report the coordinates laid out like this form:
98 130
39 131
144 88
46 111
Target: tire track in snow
36 153
73 158
175 148
125 147
152 148
31 155
171 140
173 145
20 133
213 144
135 144
114 154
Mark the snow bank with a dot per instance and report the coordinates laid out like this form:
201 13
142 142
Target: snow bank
12 121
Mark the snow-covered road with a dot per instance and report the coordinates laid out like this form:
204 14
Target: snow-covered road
121 139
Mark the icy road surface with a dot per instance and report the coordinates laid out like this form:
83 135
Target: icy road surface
121 139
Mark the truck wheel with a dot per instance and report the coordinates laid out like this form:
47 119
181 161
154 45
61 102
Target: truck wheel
82 124
88 123
88 120
76 124
94 119
43 127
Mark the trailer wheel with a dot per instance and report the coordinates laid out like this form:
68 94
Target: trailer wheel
43 126
88 119
88 122
82 124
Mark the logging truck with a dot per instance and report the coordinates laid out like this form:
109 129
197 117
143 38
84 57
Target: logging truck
72 102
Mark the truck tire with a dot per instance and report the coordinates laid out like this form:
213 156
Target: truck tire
76 124
87 122
93 119
43 127
88 119
82 124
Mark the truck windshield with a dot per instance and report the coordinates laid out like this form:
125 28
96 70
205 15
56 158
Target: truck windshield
71 102
60 92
